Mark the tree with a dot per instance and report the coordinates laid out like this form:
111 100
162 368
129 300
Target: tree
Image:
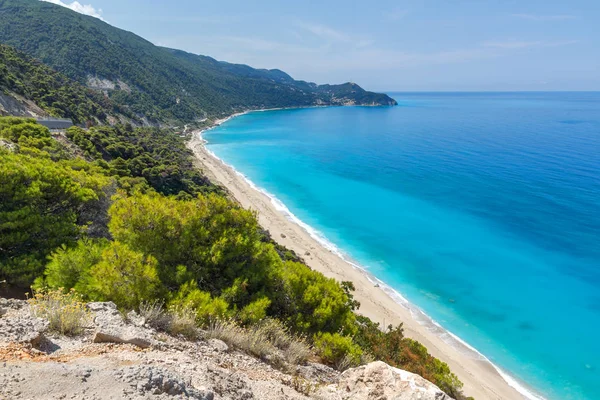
123 276
40 205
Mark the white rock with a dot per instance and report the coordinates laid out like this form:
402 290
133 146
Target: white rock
378 380
110 327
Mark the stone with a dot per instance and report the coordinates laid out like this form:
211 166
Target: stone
318 372
19 325
383 382
157 381
135 318
218 345
111 328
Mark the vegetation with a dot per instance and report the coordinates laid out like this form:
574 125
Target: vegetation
181 253
43 203
65 311
53 92
392 347
157 83
161 159
267 339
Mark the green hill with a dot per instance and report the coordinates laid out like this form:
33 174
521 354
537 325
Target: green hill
24 81
157 83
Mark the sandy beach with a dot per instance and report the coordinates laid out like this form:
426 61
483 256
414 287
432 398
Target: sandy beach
481 379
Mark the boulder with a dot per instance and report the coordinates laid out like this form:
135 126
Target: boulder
378 380
112 328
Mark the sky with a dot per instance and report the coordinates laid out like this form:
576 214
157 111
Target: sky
401 45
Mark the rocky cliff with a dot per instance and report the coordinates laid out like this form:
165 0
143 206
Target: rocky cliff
120 357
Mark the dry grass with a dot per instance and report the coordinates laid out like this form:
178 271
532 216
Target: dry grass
268 340
344 363
244 339
182 321
66 312
154 314
295 349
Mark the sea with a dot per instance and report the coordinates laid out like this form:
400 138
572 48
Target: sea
480 209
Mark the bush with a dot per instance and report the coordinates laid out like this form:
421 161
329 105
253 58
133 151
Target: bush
41 205
66 312
206 308
316 303
338 350
255 311
69 267
124 276
393 348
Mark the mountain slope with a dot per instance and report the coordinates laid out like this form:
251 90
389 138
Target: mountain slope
30 88
158 83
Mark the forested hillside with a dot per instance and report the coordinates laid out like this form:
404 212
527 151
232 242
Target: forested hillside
121 215
157 83
51 91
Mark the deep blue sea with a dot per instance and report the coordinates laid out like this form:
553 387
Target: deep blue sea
483 209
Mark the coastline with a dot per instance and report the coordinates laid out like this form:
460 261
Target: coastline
381 303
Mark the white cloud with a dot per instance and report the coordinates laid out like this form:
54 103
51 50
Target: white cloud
534 17
76 6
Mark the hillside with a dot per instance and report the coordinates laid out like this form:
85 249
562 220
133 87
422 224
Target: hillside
120 214
158 83
126 358
30 88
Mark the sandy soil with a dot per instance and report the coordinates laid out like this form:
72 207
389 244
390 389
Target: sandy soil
481 380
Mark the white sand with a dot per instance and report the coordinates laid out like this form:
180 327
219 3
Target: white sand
481 379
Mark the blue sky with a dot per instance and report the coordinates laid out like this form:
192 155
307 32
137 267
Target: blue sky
393 45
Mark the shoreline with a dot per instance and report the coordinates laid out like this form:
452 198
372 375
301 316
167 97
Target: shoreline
481 378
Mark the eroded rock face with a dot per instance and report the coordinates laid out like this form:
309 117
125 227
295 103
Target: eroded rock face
171 368
110 327
18 324
318 373
378 380
157 381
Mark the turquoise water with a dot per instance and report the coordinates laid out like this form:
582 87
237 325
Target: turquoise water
482 209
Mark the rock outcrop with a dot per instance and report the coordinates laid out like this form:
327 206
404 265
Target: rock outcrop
18 325
378 380
112 328
118 358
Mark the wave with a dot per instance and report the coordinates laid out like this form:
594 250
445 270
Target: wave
416 313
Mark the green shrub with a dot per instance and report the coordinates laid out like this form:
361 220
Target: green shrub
124 276
316 303
338 350
206 308
255 311
69 268
42 204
